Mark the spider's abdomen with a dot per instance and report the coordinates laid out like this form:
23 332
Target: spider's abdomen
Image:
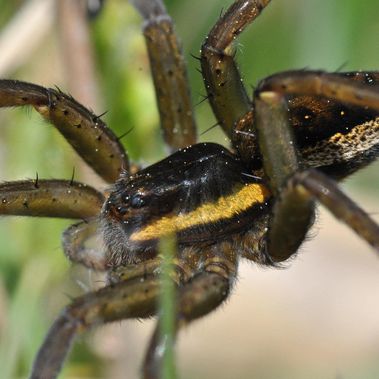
335 137
201 193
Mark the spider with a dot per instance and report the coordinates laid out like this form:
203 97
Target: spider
301 132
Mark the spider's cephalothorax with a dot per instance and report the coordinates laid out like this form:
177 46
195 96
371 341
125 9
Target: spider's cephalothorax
301 131
202 193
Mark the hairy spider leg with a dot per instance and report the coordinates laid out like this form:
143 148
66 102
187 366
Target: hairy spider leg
85 131
169 73
296 190
225 90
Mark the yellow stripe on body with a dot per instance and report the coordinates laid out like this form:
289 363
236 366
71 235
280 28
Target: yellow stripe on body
224 208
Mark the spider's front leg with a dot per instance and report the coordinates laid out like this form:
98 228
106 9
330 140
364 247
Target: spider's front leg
296 189
85 131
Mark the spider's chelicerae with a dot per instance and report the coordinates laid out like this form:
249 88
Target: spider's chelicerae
300 133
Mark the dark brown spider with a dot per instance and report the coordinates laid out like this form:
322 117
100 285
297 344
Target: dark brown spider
255 202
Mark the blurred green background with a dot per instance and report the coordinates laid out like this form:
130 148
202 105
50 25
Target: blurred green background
283 325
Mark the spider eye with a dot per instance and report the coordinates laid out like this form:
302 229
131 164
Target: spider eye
125 198
137 201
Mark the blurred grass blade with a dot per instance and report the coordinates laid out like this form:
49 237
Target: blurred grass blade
167 249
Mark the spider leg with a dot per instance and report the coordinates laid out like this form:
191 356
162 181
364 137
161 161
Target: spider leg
327 192
169 73
198 297
331 86
296 190
50 198
85 131
135 298
224 86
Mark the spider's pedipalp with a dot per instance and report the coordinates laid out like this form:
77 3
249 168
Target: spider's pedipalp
76 245
86 132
